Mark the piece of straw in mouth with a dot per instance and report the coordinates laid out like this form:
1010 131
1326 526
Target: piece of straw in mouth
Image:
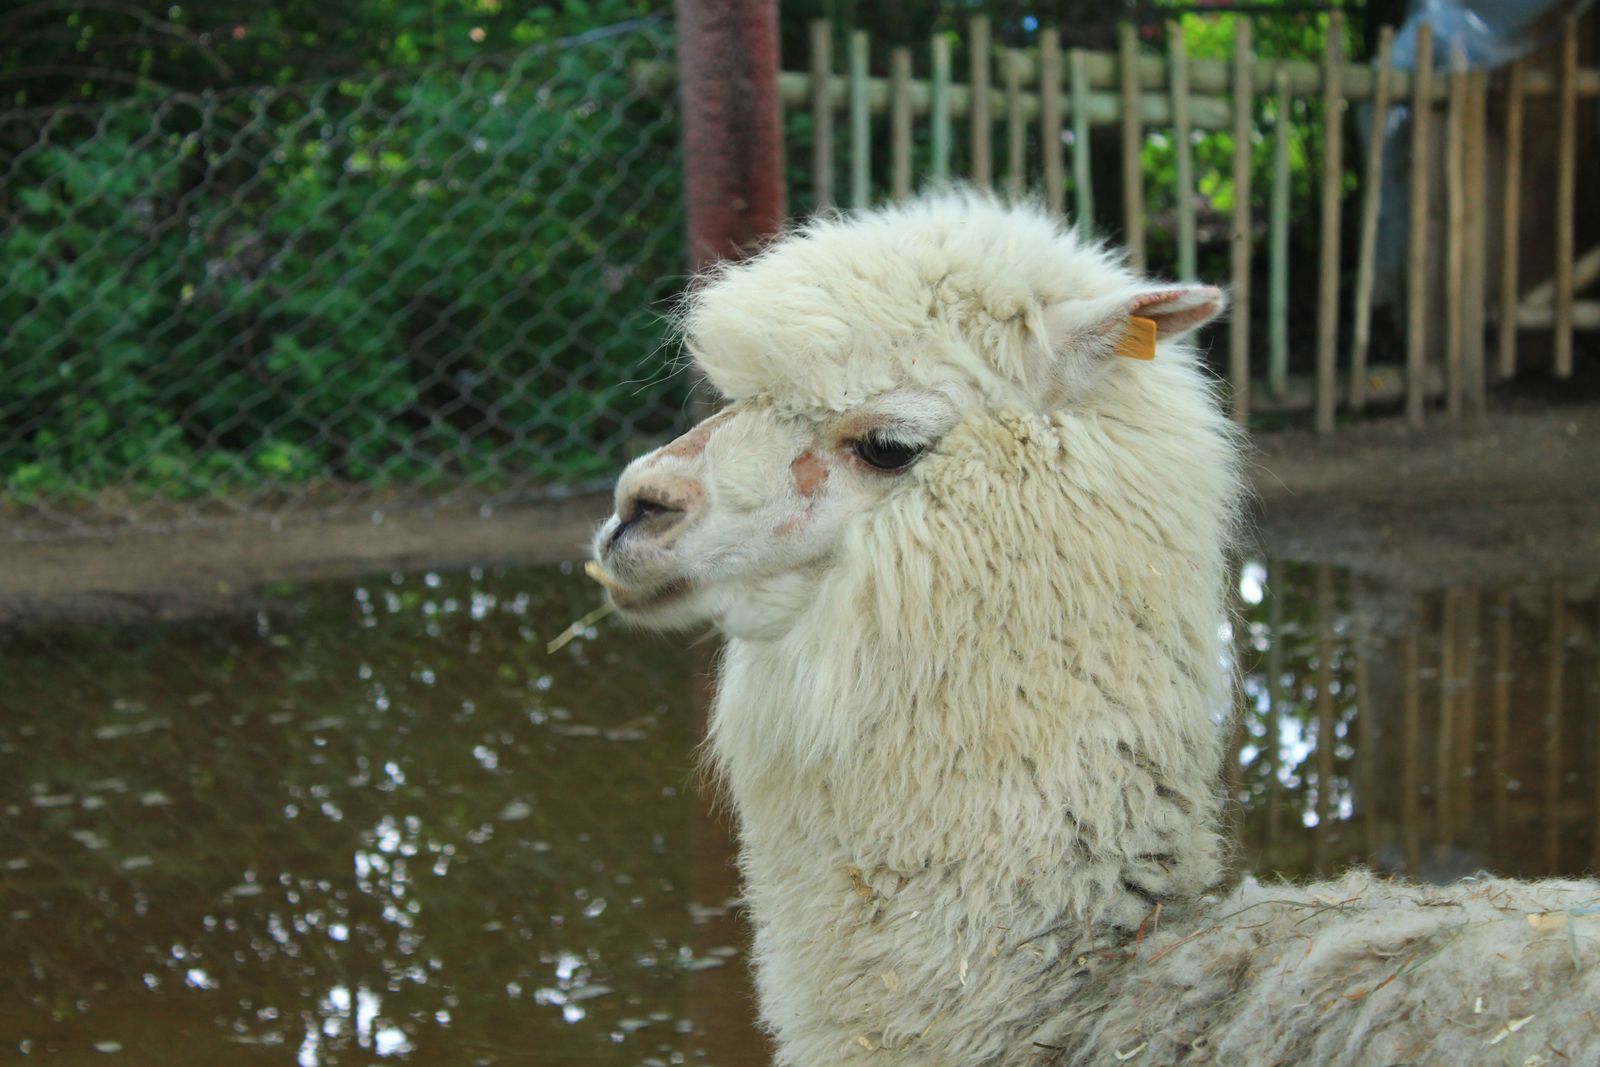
565 637
598 573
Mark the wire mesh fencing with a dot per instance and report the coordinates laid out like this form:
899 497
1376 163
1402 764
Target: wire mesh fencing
435 284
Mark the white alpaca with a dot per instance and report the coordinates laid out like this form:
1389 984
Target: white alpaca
970 563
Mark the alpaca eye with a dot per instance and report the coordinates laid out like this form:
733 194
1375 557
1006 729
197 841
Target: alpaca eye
885 453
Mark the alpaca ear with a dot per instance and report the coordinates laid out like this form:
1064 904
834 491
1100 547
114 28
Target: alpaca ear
1129 323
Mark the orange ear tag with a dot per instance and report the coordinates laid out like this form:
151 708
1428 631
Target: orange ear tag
1138 338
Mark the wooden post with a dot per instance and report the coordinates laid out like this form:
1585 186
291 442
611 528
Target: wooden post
900 122
939 134
1455 235
822 113
732 126
1371 200
860 122
978 42
1417 273
1016 144
1082 185
1566 196
1474 270
1183 151
1050 118
1511 223
1239 323
1332 203
1278 245
1132 144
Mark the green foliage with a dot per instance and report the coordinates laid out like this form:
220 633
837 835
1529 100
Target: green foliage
98 51
409 277
1210 36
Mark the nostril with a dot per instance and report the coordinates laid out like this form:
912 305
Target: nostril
641 510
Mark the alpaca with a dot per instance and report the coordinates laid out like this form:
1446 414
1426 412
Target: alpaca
970 562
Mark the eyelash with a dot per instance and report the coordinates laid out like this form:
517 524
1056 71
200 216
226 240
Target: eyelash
882 452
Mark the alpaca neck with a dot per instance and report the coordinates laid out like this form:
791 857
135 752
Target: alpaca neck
965 763
914 889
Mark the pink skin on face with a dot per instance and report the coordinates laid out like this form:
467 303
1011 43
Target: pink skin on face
810 473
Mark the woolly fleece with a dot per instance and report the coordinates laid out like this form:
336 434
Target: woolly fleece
978 742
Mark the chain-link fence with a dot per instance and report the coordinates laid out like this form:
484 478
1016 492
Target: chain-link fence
431 284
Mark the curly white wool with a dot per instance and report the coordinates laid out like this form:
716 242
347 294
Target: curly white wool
984 742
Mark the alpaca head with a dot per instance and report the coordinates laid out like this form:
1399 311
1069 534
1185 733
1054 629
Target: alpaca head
848 352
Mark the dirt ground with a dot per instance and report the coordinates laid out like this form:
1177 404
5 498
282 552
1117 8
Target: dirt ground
1510 498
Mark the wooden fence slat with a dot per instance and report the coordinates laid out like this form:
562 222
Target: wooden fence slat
1332 204
1371 200
1510 222
1584 272
1132 145
822 113
1455 236
900 123
1213 76
1183 150
1050 118
1278 246
982 173
1566 197
1016 143
939 105
795 90
1417 258
1208 109
1474 269
1239 322
1585 315
1082 184
860 122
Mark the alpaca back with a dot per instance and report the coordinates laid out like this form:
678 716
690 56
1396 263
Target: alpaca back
1356 971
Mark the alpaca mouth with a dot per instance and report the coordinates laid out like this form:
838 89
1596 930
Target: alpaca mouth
635 598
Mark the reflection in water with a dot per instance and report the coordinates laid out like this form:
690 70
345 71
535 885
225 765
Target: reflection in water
378 823
1428 734
363 823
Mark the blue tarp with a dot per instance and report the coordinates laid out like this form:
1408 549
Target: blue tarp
1490 33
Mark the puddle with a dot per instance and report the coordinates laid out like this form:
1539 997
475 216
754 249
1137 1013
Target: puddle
376 822
1431 734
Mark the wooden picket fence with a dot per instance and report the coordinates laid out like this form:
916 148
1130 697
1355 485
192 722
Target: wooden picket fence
1039 92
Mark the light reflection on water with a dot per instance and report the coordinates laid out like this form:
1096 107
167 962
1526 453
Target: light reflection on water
369 822
378 823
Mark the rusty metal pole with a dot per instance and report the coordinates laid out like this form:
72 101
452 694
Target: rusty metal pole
732 126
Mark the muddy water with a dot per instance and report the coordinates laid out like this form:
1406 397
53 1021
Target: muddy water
378 822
